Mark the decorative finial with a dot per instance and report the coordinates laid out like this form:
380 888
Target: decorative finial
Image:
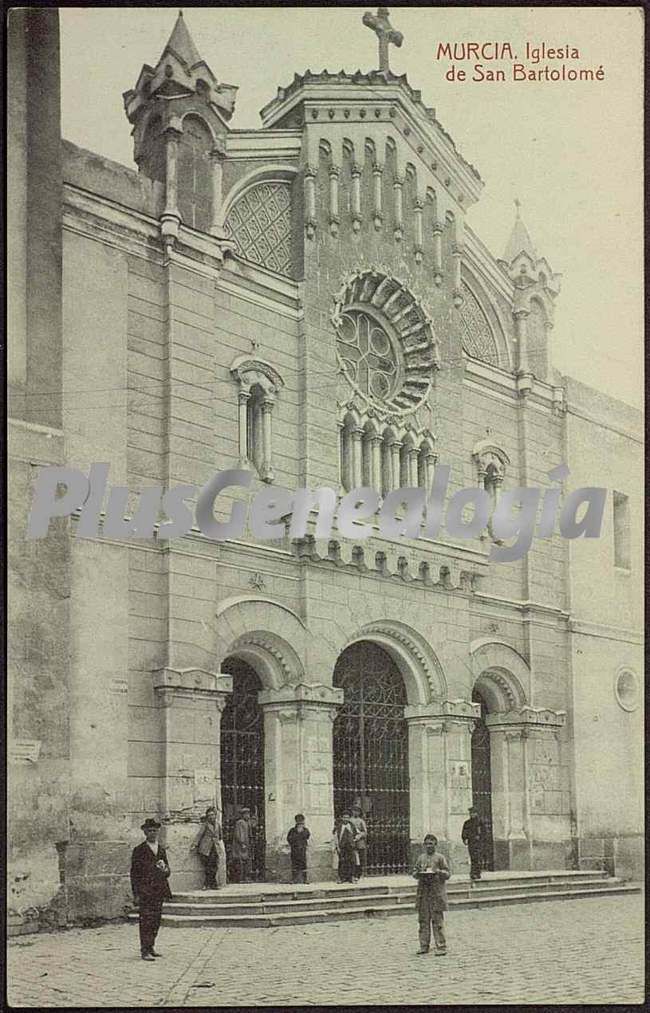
385 33
517 205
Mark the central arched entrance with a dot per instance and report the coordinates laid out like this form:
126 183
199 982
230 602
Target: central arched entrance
371 753
242 760
482 777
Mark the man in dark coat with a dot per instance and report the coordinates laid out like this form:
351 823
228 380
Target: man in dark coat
149 883
298 838
242 846
473 835
345 846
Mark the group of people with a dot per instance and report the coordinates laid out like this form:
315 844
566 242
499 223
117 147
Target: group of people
150 868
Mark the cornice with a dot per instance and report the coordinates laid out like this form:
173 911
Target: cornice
245 144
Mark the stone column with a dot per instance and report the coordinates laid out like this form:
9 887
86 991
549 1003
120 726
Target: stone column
298 724
412 457
440 773
377 172
398 184
310 201
243 398
514 782
437 253
417 213
170 219
357 457
395 447
457 255
334 199
217 156
267 474
191 701
429 467
375 462
356 197
520 317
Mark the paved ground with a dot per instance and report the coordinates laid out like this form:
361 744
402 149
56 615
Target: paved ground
571 951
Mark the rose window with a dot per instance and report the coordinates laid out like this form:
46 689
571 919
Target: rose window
385 342
368 354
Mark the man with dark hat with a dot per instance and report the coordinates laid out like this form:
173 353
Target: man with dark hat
149 882
242 845
473 835
345 841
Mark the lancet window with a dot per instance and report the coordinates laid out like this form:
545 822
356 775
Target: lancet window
258 387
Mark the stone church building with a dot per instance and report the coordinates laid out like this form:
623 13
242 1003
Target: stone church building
305 300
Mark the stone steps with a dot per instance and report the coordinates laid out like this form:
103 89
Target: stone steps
276 904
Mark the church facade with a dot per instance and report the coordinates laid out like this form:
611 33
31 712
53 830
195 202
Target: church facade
305 301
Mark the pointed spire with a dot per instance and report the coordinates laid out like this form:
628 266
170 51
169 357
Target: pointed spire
182 44
520 241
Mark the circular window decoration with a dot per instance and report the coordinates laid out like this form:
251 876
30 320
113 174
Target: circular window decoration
385 345
626 688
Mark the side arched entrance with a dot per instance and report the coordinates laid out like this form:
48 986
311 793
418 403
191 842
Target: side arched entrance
370 752
482 777
242 761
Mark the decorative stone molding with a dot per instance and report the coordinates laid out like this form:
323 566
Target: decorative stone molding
303 692
526 718
447 710
487 455
422 657
171 683
267 643
501 671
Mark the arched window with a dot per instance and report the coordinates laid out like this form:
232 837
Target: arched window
491 463
195 174
259 384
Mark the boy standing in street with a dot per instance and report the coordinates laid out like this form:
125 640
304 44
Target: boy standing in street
298 837
432 872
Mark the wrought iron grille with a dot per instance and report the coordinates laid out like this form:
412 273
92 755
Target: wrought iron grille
242 761
371 753
482 779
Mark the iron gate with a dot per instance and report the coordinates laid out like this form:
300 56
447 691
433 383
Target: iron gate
371 753
242 761
482 779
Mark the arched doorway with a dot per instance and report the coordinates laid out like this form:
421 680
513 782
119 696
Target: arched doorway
370 746
482 777
242 759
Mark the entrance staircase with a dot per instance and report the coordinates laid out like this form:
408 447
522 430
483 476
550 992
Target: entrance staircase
264 905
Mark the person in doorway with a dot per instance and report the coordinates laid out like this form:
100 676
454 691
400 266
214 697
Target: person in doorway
473 835
207 847
150 885
242 846
432 872
345 847
361 842
298 838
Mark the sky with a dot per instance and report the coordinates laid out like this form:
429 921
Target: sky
570 152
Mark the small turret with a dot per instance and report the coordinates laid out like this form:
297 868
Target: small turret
180 115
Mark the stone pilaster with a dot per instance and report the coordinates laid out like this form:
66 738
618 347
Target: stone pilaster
192 701
298 723
530 809
440 772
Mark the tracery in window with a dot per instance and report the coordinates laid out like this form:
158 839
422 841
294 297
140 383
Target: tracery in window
386 346
477 338
260 224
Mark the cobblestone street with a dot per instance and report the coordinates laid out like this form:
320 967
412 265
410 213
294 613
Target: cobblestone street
577 951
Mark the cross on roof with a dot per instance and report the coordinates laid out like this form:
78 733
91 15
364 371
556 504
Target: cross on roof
385 33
